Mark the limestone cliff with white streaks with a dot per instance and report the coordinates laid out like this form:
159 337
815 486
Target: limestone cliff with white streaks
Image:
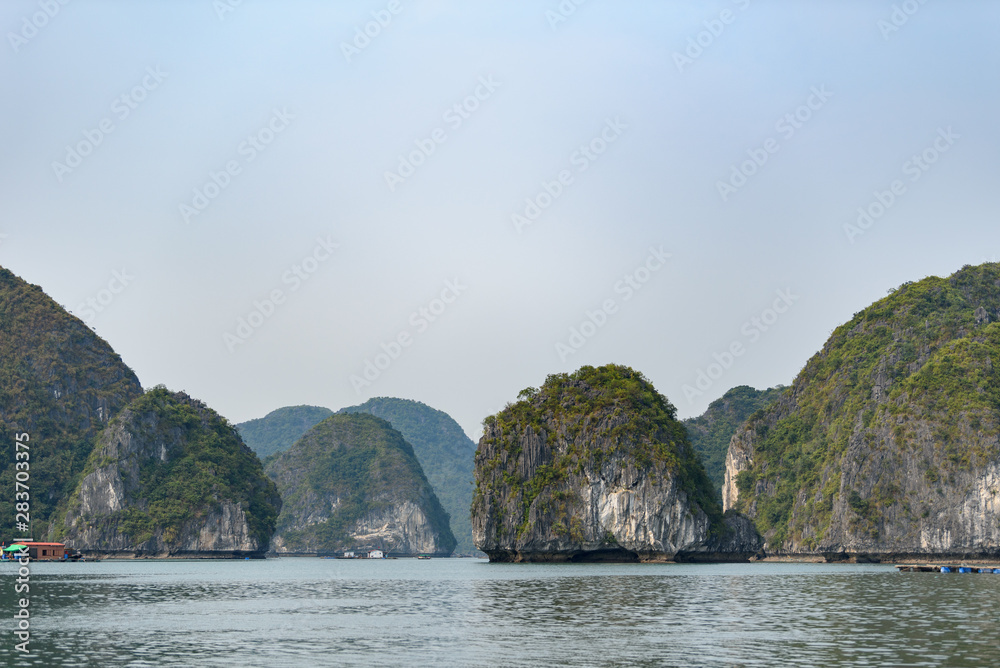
595 467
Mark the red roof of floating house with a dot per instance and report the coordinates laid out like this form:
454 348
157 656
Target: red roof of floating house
43 550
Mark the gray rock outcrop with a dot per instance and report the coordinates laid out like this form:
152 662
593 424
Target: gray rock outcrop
582 471
60 383
352 483
169 478
887 446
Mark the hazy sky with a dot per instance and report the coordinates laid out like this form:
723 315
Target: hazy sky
261 201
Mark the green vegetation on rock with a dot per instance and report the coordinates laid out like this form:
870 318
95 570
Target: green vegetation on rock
444 451
349 473
188 460
60 383
890 424
585 418
279 429
711 431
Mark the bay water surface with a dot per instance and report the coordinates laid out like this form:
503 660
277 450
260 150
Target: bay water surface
468 612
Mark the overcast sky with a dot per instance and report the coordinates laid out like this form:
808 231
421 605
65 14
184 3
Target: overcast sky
262 202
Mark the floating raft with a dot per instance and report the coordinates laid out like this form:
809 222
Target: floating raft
941 568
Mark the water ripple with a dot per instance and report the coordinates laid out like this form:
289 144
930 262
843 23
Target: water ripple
294 612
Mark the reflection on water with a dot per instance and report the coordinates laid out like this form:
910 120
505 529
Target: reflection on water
296 612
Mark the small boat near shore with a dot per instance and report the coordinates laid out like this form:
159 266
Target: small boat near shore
993 569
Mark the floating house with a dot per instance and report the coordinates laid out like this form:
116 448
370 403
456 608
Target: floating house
38 551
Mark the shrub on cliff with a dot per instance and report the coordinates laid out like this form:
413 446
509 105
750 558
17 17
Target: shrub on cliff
594 462
60 383
888 432
173 462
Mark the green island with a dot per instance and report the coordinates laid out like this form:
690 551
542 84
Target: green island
445 454
60 383
175 464
352 482
889 429
585 445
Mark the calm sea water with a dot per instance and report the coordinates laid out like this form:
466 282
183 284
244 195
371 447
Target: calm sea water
464 612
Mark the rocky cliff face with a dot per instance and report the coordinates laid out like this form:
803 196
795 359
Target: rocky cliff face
170 478
888 444
444 451
60 383
594 466
353 483
711 431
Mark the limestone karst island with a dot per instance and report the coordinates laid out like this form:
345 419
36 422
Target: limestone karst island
885 447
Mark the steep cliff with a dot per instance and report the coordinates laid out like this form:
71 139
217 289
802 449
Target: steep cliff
711 431
170 477
594 466
444 451
888 443
353 483
278 430
60 383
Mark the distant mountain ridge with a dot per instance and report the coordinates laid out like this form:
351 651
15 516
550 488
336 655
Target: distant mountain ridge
445 452
443 449
279 429
711 431
352 482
